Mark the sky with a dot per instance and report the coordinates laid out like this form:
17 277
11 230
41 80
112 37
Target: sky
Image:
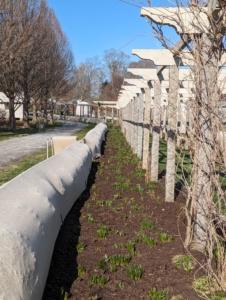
94 26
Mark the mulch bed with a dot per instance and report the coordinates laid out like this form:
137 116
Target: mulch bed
117 197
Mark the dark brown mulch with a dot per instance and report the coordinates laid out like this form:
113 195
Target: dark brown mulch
137 203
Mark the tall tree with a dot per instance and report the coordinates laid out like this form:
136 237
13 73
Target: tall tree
115 63
88 78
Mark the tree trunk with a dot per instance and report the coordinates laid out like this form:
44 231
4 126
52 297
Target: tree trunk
51 112
156 131
45 111
25 114
12 120
34 108
171 132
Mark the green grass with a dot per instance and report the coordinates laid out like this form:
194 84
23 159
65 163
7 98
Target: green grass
7 134
9 172
181 156
81 134
183 163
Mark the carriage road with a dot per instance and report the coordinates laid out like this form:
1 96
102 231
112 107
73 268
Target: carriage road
16 148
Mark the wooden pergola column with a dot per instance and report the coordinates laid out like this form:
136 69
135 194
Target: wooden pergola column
147 122
171 132
155 131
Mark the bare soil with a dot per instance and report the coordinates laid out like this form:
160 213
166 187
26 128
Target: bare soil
116 178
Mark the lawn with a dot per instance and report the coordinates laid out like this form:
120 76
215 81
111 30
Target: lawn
183 161
7 134
9 172
81 134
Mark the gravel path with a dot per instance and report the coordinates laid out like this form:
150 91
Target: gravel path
16 148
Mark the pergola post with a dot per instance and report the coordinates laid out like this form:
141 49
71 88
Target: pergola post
123 121
179 119
161 122
133 125
136 117
147 122
140 125
171 132
98 113
164 121
105 114
112 115
155 131
129 122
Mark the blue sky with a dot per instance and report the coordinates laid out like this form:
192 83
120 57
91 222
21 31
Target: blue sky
93 26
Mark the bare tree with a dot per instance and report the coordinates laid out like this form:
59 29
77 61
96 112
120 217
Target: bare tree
13 40
57 65
88 78
110 90
115 63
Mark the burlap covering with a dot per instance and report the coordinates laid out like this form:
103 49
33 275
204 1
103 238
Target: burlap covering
62 142
32 209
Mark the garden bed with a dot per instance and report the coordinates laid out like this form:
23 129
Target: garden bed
118 224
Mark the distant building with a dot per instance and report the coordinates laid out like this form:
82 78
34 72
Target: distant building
4 107
83 108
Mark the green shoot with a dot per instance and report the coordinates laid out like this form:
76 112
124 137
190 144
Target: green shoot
158 295
131 247
80 247
134 272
